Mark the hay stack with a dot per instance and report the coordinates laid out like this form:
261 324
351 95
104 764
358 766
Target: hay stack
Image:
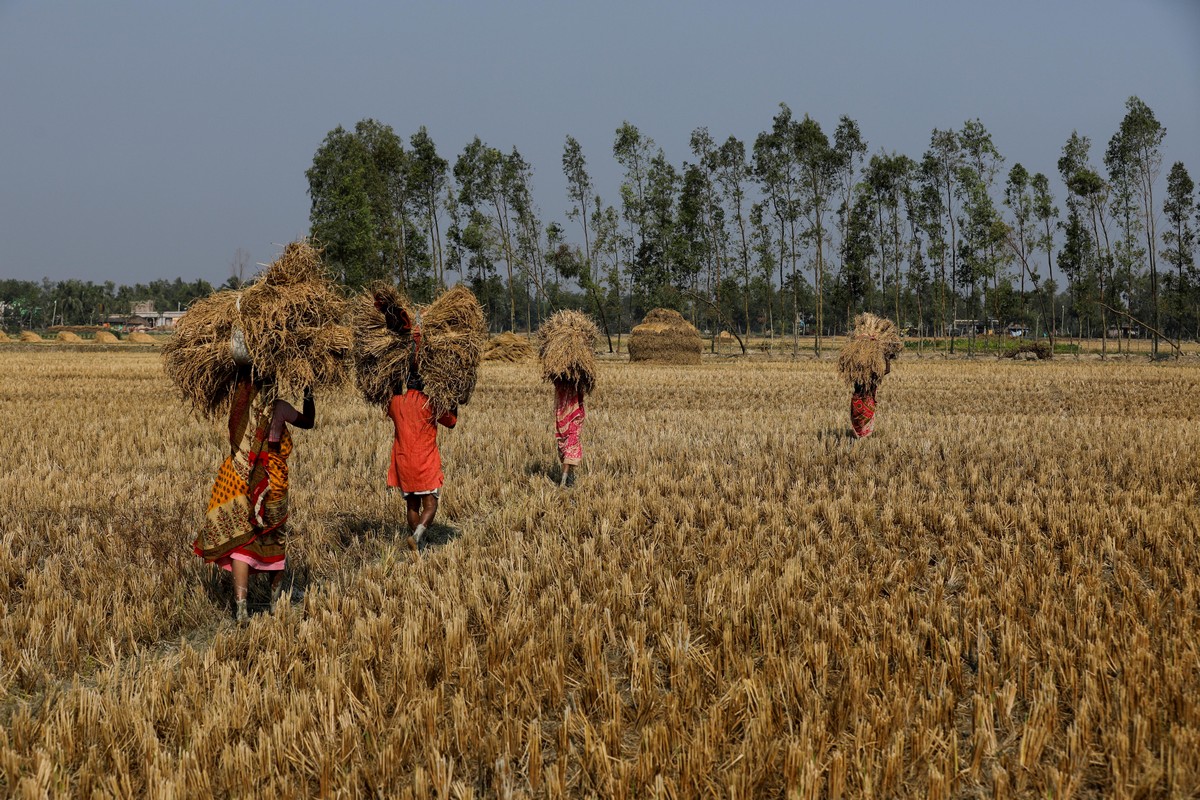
382 347
290 319
141 338
452 337
508 347
68 337
105 337
4 337
665 337
872 344
567 349
30 336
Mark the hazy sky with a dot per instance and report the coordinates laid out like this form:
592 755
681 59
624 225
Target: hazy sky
153 139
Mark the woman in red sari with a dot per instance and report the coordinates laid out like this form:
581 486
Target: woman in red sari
862 406
569 416
244 528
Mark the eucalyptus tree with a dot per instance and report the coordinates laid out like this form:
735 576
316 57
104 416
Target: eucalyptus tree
941 165
704 148
1136 151
850 150
818 164
775 169
582 196
1018 197
1047 214
1090 193
1179 236
983 229
633 152
487 178
430 189
732 173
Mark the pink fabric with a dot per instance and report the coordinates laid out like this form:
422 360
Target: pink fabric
226 562
569 415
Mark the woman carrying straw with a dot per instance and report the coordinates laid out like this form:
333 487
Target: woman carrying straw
863 362
244 529
566 350
416 464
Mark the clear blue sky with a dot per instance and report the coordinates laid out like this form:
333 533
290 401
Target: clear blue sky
153 139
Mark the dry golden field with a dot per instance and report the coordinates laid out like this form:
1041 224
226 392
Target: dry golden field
998 594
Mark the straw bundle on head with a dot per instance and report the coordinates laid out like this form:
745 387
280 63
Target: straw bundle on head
507 347
68 337
198 358
872 344
30 336
567 349
665 337
452 337
292 321
105 337
289 321
380 318
141 338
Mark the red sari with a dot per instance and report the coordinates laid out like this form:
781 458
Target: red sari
862 410
569 415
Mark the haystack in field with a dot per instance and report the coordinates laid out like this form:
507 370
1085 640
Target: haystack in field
30 336
381 321
286 326
141 338
508 347
872 344
567 349
105 337
453 333
4 337
68 337
665 337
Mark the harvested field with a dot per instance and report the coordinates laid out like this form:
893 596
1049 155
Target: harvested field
996 594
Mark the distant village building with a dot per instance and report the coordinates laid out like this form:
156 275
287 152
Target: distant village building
143 316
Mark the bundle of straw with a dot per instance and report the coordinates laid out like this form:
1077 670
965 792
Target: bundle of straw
567 349
452 337
665 337
380 319
290 320
30 336
4 337
508 347
141 338
105 337
198 358
872 344
68 337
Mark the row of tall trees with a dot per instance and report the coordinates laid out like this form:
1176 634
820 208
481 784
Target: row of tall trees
792 233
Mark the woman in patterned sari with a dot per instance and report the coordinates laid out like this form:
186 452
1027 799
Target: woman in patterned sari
244 529
569 416
862 406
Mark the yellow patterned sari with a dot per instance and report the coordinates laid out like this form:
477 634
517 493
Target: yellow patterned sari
248 507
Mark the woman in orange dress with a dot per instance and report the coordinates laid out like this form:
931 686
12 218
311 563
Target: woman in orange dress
244 528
